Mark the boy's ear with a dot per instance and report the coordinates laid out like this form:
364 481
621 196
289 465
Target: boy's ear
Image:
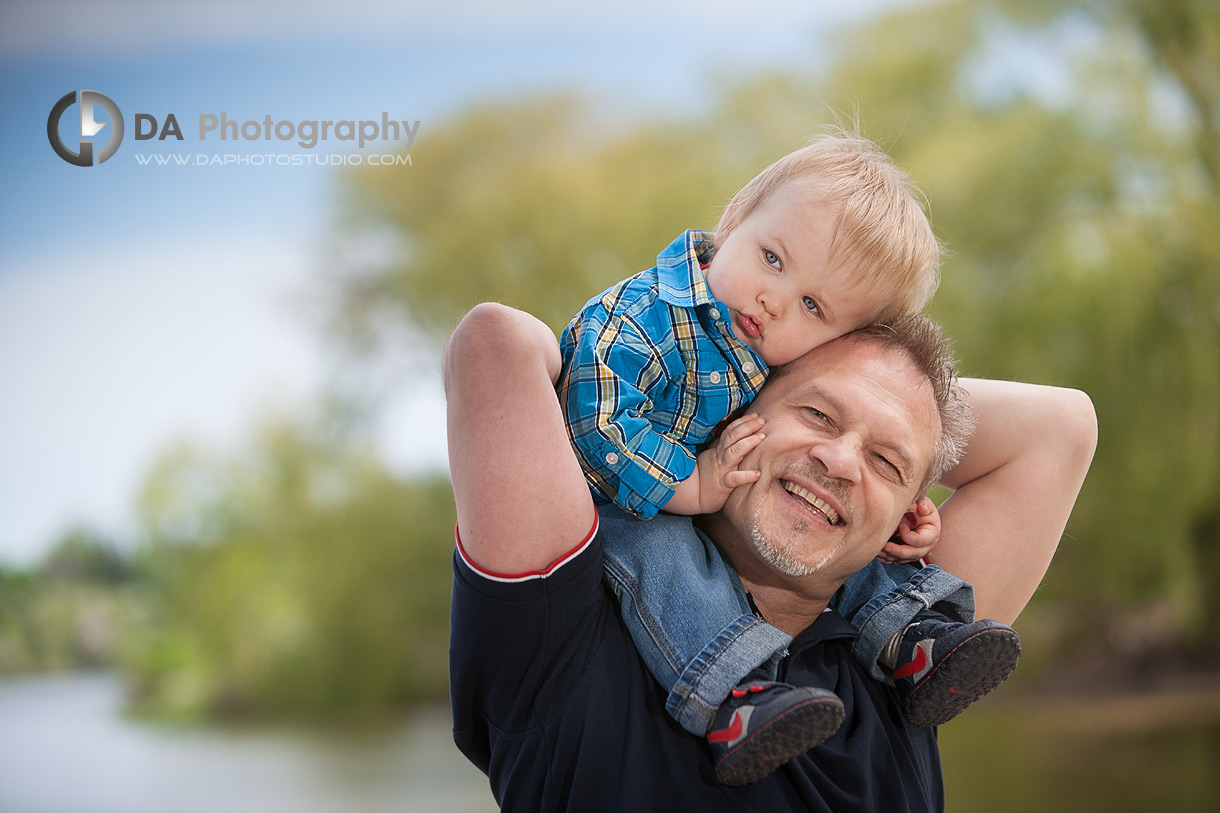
728 222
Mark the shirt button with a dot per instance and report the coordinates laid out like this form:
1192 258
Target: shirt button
611 459
715 377
715 312
748 368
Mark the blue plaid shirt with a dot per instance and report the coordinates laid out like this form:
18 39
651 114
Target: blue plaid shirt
650 367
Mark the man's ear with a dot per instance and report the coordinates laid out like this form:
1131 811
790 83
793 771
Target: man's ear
909 519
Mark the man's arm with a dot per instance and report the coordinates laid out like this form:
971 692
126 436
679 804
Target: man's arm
522 501
1014 490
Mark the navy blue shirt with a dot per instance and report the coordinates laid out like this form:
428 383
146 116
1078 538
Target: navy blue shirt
552 702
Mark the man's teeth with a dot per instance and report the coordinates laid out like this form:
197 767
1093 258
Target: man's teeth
831 514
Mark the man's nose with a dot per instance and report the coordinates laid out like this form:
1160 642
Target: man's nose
839 457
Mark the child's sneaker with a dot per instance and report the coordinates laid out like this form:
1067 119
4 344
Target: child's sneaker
944 666
762 725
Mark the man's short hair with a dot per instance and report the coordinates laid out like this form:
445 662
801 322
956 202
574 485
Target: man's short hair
925 346
882 224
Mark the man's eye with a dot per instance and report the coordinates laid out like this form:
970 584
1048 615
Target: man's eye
771 258
885 462
810 304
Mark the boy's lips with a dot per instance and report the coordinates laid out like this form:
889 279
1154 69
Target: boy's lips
749 325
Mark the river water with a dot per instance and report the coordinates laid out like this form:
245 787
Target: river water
66 748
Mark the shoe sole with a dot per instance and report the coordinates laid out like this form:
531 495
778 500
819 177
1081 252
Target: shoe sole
972 669
798 729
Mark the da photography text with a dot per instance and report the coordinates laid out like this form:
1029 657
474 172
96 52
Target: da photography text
90 138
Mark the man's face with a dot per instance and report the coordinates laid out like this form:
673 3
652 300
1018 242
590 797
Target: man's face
851 429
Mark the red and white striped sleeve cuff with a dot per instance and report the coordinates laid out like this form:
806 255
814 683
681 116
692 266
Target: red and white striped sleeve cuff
529 575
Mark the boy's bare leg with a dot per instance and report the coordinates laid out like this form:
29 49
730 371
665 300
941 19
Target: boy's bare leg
522 500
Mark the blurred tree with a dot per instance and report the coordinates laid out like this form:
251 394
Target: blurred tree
538 203
1182 39
66 612
84 555
298 579
1068 169
20 645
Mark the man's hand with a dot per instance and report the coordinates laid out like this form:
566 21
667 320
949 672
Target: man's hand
917 534
716 470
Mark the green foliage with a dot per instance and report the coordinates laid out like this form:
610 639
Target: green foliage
1080 205
1087 256
299 579
538 204
83 556
68 612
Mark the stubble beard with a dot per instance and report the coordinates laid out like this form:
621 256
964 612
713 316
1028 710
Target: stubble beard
779 557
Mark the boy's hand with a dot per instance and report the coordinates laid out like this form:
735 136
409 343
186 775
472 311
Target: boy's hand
716 469
917 534
718 464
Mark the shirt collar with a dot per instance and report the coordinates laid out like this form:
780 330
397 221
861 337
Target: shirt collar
828 626
682 284
679 276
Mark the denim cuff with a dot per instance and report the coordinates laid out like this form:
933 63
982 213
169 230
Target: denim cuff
929 589
737 650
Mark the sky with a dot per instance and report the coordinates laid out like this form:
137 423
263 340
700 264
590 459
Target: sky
142 304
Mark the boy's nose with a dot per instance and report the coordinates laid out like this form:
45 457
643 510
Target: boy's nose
770 303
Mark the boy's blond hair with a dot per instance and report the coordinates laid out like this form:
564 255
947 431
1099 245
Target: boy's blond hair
882 228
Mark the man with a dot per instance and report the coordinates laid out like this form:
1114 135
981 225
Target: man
549 696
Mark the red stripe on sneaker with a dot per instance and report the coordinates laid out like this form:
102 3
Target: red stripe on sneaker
917 663
732 732
528 575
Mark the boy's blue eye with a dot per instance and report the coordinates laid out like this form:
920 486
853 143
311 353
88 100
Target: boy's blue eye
770 258
809 304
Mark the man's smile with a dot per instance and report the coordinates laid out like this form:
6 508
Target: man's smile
814 502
